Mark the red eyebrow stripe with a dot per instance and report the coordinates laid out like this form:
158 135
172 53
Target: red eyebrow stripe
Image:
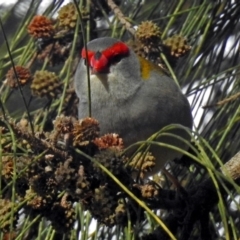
118 48
85 53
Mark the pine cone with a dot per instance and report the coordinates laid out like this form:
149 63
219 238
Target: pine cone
103 204
6 206
148 33
111 140
176 46
67 16
84 131
143 162
41 27
23 74
56 52
45 84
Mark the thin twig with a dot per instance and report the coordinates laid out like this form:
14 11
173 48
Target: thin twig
224 101
31 61
88 72
121 16
16 76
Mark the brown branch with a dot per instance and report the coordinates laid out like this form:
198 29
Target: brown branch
224 101
36 141
121 16
232 167
31 61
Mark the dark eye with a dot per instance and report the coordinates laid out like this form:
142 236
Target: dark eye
116 59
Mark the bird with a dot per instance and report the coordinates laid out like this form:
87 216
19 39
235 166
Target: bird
132 97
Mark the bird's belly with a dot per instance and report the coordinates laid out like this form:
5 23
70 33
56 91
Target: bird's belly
113 119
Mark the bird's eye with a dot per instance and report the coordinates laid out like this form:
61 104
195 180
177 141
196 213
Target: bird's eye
116 59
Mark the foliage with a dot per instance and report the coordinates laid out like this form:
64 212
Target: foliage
55 167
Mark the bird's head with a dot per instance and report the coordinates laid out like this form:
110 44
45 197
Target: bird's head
104 53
